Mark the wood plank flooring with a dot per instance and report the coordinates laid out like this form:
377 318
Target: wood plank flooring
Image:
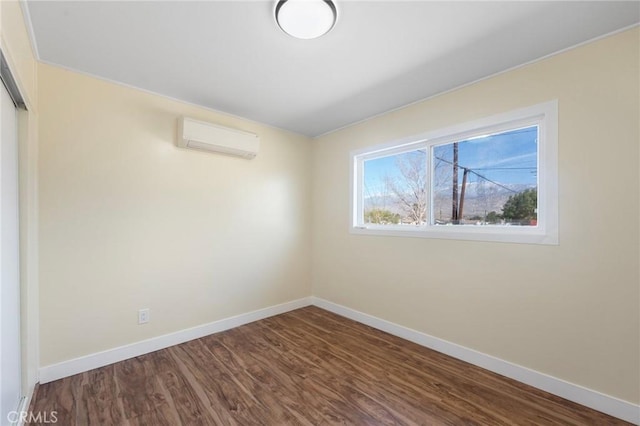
305 367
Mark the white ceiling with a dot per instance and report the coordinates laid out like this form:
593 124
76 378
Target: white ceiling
232 57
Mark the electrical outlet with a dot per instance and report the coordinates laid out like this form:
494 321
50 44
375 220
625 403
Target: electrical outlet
143 316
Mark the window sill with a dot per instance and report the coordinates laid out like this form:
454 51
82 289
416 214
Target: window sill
533 235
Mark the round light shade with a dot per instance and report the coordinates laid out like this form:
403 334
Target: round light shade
306 19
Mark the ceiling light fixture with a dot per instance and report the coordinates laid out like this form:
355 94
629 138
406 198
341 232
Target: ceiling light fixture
306 19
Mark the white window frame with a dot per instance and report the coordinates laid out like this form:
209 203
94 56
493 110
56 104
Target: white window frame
544 115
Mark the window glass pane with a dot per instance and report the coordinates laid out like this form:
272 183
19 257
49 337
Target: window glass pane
487 180
394 189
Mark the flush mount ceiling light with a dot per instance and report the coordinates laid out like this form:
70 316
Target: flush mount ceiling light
306 19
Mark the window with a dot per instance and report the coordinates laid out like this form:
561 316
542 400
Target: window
494 179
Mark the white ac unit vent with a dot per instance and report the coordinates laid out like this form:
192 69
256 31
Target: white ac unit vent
214 138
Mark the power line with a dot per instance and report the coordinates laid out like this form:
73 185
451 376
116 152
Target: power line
493 182
479 175
506 168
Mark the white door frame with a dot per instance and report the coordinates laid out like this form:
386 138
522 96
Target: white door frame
12 393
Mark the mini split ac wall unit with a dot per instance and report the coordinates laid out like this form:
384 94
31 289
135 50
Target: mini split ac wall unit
210 137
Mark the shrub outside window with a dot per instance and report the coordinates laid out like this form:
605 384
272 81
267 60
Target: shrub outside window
493 179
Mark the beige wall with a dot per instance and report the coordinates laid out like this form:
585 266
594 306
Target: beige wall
15 44
571 310
130 221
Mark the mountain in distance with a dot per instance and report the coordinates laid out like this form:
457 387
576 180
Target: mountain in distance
480 199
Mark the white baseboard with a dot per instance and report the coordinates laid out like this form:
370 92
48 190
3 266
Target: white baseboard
22 408
25 403
100 359
587 397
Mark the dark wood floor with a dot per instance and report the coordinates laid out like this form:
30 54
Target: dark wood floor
306 367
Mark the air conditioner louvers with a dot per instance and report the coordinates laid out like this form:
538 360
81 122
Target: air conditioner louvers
211 137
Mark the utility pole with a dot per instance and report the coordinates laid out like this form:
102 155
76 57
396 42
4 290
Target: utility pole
464 188
454 198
